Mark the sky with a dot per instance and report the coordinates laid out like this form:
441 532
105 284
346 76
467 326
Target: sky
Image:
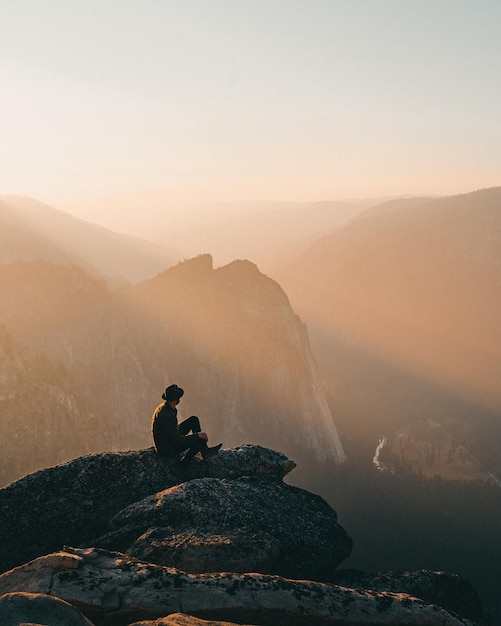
129 106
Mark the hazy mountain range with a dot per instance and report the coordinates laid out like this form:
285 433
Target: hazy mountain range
270 234
398 306
403 309
400 301
30 229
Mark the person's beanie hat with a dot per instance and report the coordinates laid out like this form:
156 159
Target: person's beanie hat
173 392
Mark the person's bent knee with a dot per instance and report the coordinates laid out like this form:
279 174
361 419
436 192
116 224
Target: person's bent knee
196 423
192 423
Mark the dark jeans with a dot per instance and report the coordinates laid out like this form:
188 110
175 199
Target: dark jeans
192 443
191 424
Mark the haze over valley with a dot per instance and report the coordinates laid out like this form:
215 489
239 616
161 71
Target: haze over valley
387 328
292 210
399 303
402 309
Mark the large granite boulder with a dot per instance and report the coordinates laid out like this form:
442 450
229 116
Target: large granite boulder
208 524
73 502
114 589
38 609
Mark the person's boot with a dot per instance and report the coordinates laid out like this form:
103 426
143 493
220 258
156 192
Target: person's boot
208 453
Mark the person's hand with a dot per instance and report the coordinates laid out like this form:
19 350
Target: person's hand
203 436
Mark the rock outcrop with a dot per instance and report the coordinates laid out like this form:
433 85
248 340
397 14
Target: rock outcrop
227 541
73 503
207 524
116 590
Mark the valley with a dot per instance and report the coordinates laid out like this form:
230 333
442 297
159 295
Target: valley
385 326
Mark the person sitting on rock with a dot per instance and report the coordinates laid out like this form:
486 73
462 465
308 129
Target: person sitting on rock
170 438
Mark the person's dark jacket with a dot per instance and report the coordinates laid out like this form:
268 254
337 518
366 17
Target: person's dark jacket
165 431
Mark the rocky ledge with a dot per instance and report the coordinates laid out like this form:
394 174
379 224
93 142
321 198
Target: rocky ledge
73 503
241 525
227 541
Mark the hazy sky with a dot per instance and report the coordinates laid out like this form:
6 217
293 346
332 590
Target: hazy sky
115 104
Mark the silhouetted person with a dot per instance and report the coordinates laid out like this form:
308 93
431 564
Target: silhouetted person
172 438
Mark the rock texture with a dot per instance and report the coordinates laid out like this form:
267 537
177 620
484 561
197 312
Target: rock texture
197 551
37 608
113 589
73 503
207 524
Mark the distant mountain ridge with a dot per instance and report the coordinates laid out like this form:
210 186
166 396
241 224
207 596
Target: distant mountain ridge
32 230
265 236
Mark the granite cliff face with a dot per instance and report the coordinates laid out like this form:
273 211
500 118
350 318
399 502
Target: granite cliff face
204 522
40 408
227 335
256 378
